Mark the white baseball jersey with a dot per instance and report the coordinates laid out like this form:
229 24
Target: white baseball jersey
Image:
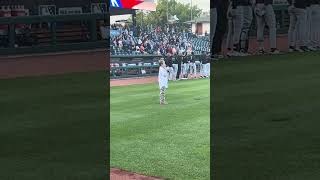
163 77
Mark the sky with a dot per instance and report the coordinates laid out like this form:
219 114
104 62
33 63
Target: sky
202 4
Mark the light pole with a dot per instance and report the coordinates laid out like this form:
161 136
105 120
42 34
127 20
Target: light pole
167 11
191 10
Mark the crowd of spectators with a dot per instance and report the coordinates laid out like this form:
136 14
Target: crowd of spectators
155 41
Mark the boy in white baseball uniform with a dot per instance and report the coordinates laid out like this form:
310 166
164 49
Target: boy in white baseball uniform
163 81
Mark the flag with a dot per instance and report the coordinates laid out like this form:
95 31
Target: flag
149 5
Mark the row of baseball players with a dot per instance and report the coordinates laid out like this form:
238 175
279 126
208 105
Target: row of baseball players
236 17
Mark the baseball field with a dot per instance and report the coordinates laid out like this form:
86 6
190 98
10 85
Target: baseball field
265 124
53 127
266 118
171 141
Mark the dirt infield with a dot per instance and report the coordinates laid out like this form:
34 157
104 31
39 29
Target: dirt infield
117 174
282 44
52 64
132 81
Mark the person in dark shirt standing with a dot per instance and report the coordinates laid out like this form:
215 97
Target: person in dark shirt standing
192 65
213 19
236 20
175 65
206 62
221 27
178 59
315 24
310 11
246 26
297 28
185 63
265 15
204 65
235 25
168 61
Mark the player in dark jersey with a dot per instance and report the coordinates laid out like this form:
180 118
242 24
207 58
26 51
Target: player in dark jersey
221 27
203 60
175 65
185 65
315 24
192 65
297 29
168 61
239 22
265 15
178 59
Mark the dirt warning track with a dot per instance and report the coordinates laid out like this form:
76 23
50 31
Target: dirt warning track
133 81
52 64
117 174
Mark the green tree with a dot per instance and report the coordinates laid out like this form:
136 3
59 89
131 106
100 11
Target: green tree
159 17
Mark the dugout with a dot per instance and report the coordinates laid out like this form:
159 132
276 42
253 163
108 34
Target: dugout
33 5
51 25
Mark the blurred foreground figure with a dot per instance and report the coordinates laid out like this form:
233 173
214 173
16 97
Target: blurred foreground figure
221 27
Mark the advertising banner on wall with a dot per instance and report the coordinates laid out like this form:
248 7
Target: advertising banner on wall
149 5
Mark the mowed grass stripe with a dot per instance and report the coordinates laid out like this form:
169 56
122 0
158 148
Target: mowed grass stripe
266 117
168 141
53 127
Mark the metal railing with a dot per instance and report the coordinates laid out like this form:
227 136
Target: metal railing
137 70
133 71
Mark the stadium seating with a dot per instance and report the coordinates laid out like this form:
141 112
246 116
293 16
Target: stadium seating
199 44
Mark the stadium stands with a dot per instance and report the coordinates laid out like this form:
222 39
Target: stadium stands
155 42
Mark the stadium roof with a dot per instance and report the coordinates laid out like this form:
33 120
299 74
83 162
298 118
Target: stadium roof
120 11
199 20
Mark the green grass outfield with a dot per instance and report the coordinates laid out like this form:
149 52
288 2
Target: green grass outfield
169 141
53 127
266 124
267 118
